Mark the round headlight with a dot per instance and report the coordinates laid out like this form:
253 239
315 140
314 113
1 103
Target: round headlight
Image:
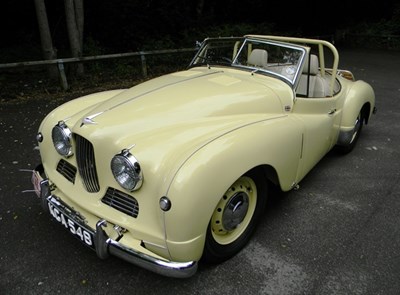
61 136
127 171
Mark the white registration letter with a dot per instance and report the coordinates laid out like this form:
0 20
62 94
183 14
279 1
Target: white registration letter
87 238
71 226
63 221
56 214
79 233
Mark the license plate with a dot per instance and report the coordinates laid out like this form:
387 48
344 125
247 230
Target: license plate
85 235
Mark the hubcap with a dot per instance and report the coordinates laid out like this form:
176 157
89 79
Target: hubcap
357 125
234 211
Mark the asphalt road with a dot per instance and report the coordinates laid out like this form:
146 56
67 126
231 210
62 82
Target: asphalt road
338 234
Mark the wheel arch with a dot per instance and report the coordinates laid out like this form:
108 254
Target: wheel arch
358 107
361 97
270 174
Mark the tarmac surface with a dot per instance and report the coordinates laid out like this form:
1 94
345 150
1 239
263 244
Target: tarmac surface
338 234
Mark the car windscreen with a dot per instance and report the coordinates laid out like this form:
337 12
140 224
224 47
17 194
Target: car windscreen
262 56
221 51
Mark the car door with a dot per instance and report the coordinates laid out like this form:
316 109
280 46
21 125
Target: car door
318 117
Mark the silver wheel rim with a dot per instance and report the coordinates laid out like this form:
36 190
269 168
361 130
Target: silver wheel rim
357 125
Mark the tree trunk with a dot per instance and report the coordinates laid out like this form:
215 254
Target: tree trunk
45 37
199 8
79 15
74 34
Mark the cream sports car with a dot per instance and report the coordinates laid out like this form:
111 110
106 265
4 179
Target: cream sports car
177 169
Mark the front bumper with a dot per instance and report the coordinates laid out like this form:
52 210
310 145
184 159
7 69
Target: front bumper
103 244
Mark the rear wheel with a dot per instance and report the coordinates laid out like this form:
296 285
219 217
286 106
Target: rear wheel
358 124
235 217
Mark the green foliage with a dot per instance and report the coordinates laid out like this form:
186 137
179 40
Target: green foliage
92 47
382 34
235 29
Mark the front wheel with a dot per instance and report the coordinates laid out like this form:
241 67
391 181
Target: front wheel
235 217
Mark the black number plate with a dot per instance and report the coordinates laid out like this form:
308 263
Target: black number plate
74 227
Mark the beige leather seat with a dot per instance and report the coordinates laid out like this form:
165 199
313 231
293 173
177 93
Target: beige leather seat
258 58
317 86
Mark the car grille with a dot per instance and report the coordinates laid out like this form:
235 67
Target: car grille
67 170
121 202
86 164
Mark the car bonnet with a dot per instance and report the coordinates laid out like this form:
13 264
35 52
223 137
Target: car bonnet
168 118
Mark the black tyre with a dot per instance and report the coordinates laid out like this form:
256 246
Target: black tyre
235 217
358 124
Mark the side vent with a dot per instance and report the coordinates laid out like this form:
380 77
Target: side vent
67 170
121 202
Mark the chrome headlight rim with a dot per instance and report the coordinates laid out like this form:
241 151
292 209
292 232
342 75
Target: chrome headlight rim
127 171
62 136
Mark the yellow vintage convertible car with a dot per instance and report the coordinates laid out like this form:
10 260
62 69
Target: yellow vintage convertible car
177 169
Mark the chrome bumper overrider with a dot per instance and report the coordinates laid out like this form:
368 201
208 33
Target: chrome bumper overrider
105 246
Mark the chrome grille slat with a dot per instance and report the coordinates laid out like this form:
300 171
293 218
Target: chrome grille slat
86 164
121 202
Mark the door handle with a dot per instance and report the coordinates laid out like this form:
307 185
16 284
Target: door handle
332 111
